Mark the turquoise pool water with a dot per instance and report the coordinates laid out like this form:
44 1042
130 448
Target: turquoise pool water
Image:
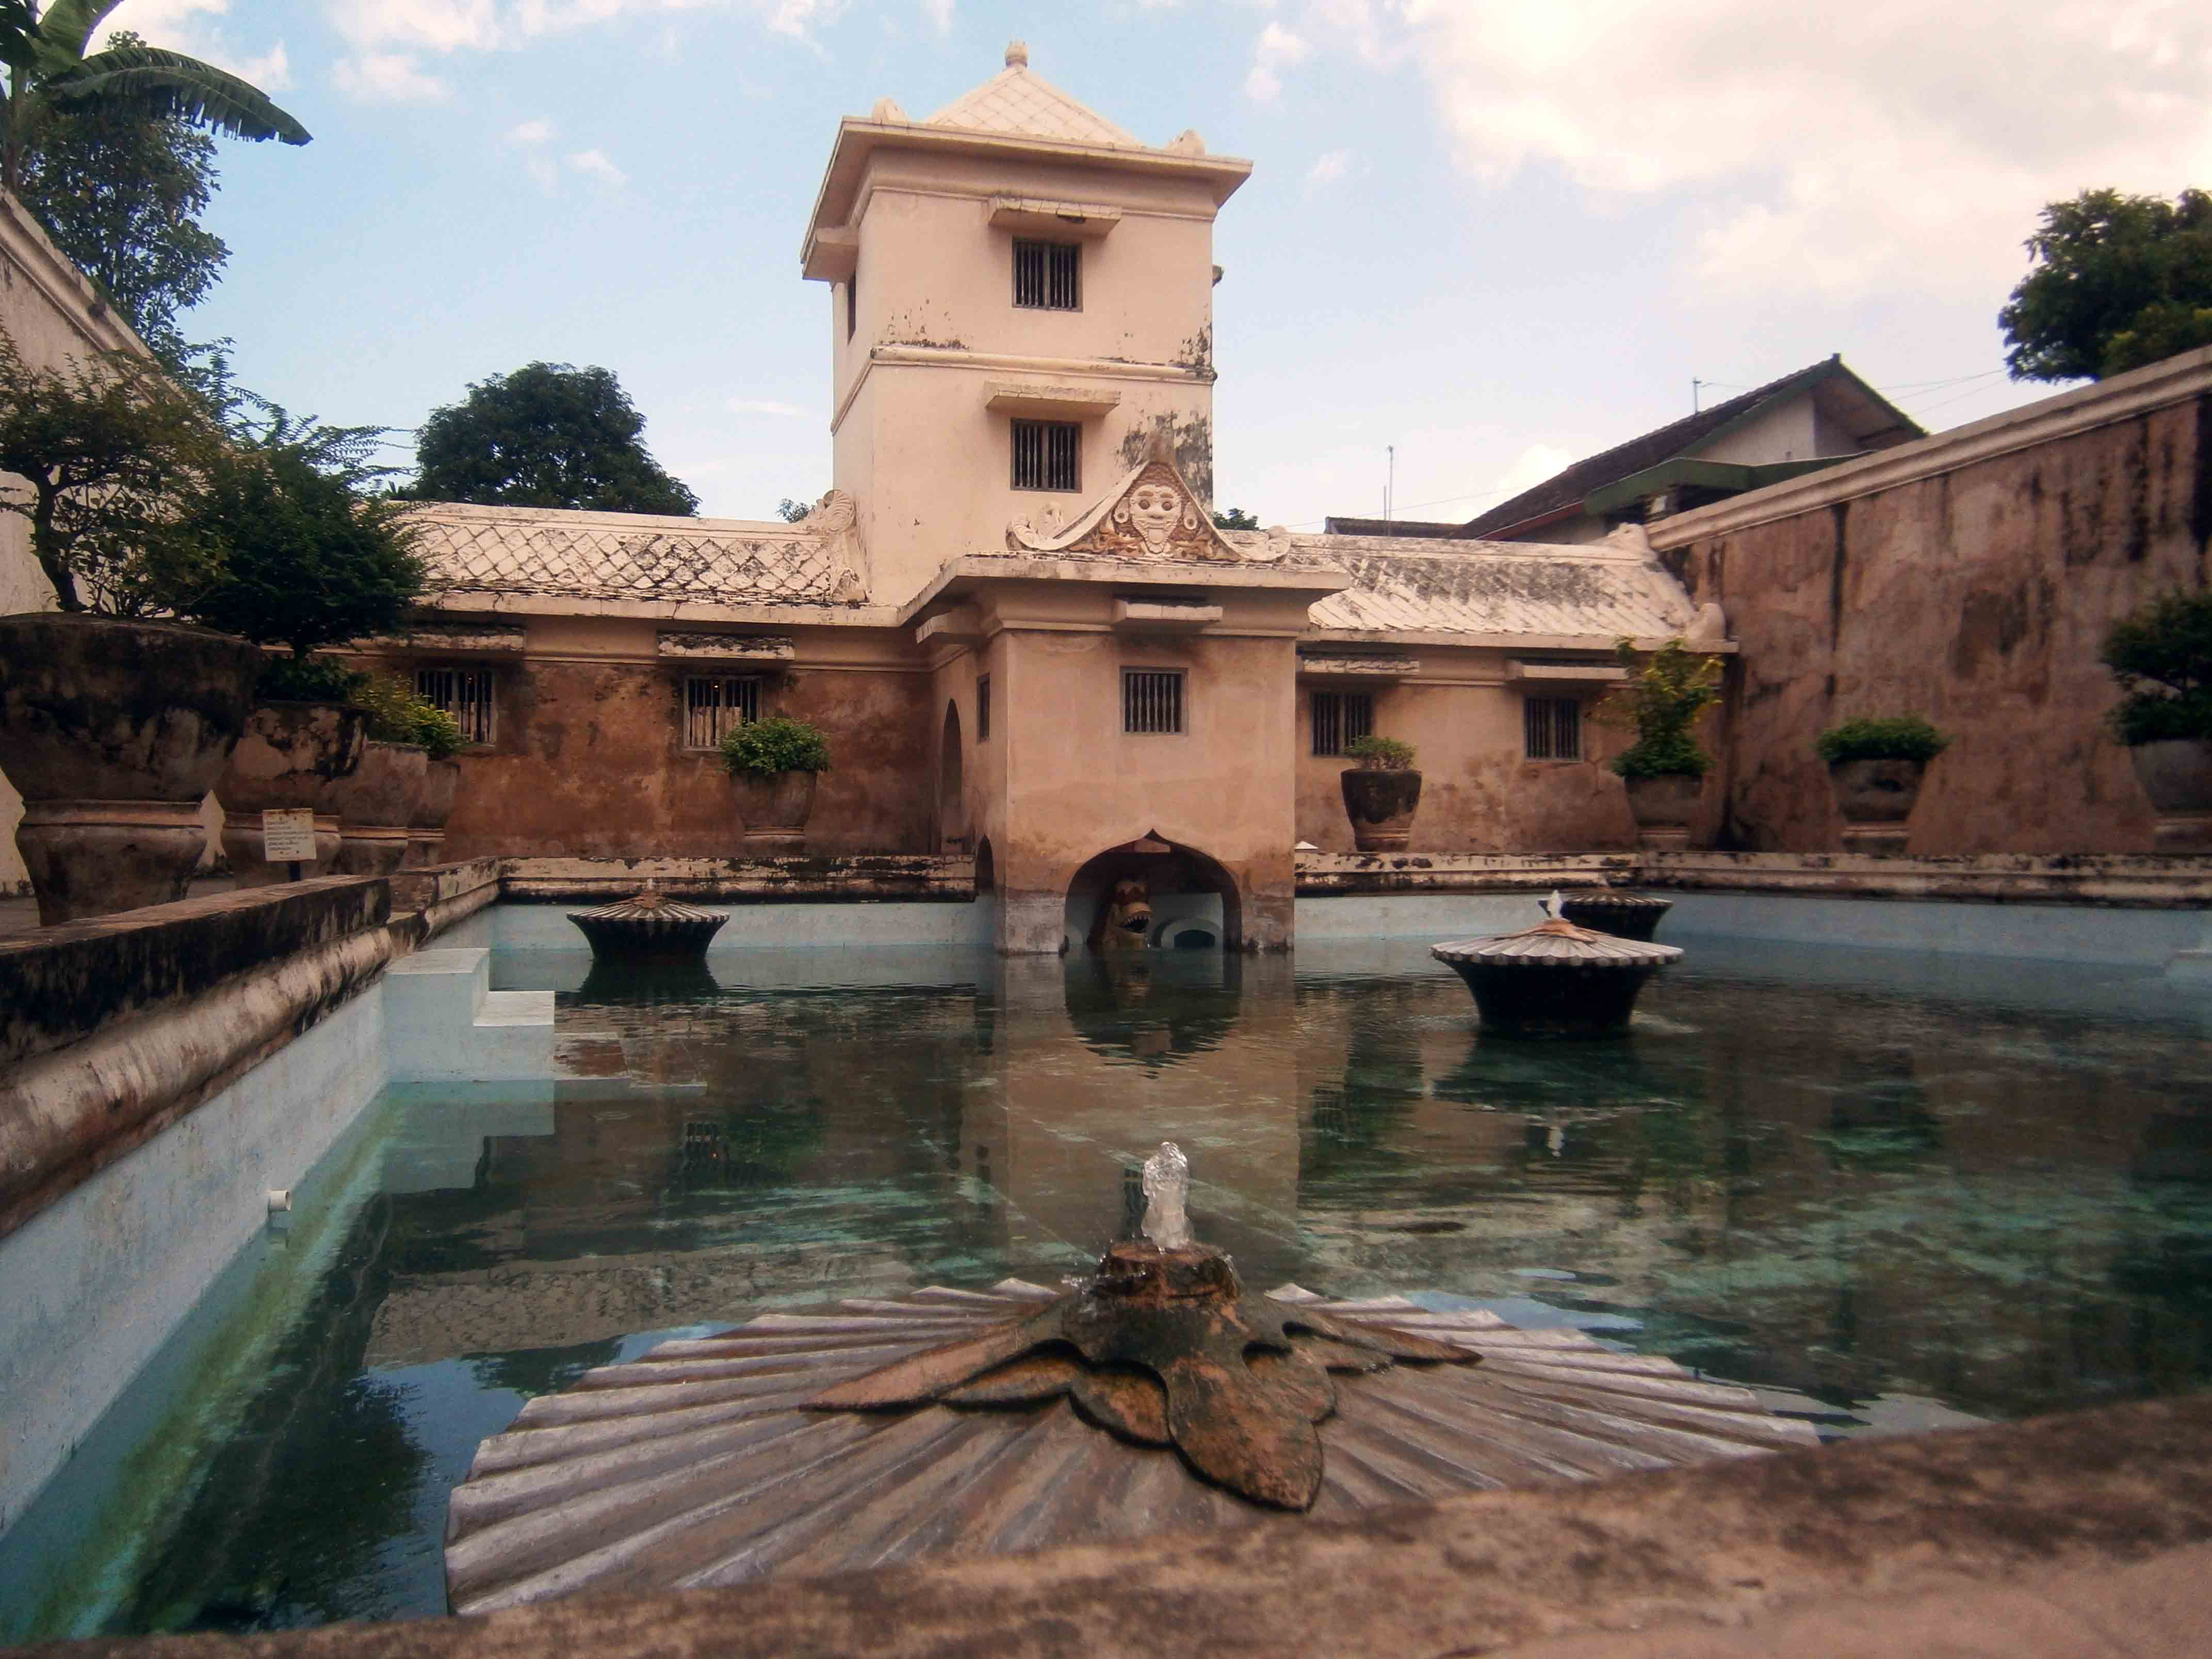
1893 1189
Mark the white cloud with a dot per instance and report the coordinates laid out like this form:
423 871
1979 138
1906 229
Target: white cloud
1530 467
385 78
1278 50
595 163
1900 145
765 406
188 26
939 13
1329 167
446 26
532 132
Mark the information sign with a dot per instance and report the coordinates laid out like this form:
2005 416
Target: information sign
286 833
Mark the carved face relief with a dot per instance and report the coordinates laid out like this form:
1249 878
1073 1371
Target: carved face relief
1155 510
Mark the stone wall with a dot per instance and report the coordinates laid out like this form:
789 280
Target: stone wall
1970 577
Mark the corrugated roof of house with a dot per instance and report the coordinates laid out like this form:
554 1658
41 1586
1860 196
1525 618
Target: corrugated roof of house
560 552
1016 101
1406 585
1567 488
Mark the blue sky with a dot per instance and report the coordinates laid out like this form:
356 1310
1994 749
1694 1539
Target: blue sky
1497 236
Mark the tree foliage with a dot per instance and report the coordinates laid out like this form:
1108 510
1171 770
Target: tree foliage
2117 281
778 743
1378 753
310 558
1665 691
2162 657
549 434
50 70
791 512
1895 737
109 447
1234 518
120 193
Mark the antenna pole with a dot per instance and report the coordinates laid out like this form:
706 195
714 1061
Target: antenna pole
1694 385
1390 487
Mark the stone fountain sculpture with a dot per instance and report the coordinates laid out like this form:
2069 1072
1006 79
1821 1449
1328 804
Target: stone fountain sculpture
1555 980
649 926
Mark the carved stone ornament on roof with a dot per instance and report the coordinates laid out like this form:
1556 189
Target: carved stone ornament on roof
836 519
1150 514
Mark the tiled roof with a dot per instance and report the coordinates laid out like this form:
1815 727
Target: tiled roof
1567 489
1018 102
1405 585
620 555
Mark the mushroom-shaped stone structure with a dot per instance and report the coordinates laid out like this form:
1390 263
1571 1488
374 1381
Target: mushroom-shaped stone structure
1157 1396
1555 980
648 927
1622 914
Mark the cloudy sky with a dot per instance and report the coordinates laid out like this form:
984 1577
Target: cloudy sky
1498 234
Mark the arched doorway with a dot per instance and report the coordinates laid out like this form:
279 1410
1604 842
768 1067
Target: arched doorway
1190 901
986 870
951 794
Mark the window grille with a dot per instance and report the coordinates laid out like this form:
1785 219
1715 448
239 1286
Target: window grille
463 693
1340 718
713 708
983 707
1044 454
1553 728
1151 700
1045 275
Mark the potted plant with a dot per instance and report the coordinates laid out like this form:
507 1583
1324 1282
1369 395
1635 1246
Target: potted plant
1664 768
1380 794
116 716
378 804
775 762
2162 657
1876 766
442 785
310 561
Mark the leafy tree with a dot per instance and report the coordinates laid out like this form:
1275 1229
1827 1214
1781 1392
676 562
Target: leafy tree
109 445
791 512
120 193
2119 281
310 558
549 434
1665 692
49 70
1234 518
2161 655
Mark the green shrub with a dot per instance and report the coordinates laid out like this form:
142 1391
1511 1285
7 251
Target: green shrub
1665 691
1900 737
2162 657
307 680
778 743
396 714
1380 754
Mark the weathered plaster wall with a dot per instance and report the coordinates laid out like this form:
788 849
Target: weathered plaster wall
1970 577
1478 794
587 754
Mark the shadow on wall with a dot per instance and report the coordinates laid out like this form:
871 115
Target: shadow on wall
1151 894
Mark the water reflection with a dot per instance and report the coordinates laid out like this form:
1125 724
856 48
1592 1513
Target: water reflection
1949 1186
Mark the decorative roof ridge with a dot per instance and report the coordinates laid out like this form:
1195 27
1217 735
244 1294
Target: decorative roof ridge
598 518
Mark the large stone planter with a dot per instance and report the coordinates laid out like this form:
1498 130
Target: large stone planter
2177 776
1875 797
375 806
1381 805
113 732
774 810
441 782
291 756
1665 806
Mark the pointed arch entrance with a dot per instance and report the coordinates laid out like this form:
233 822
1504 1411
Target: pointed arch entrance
1188 899
952 786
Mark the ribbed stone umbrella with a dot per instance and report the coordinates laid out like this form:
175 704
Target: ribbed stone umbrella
1610 910
649 926
1157 1396
1555 980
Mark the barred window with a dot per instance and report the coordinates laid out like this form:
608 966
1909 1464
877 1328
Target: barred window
983 707
713 708
463 693
1340 718
1045 275
1044 454
1151 700
1553 727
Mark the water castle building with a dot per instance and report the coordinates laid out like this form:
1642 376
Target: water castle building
1013 616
